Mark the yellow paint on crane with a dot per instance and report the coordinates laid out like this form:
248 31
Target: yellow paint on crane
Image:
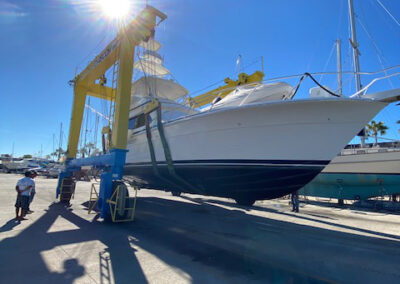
243 79
76 120
122 49
119 135
101 92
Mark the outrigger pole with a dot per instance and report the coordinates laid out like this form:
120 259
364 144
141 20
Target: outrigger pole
120 49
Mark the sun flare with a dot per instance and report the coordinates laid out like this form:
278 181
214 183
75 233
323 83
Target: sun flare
115 9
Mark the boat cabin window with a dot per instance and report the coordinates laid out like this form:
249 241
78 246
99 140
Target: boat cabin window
137 122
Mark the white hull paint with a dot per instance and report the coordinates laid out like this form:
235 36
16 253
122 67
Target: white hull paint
284 130
366 163
251 152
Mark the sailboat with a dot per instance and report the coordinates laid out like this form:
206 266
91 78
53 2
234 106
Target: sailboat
242 151
358 174
362 172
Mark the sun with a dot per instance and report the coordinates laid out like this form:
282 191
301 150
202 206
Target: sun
115 9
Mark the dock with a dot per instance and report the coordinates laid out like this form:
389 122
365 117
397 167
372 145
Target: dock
193 239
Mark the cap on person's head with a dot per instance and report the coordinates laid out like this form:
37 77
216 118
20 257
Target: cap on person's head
28 173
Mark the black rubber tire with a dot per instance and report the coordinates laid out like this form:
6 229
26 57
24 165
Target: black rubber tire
125 189
176 193
244 201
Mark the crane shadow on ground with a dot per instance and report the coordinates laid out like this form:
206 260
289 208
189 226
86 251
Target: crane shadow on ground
201 240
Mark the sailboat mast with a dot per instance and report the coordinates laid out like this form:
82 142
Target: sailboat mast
12 151
339 66
60 143
356 62
354 44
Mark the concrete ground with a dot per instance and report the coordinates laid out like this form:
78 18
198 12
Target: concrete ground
194 239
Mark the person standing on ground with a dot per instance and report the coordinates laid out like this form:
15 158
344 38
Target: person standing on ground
33 192
23 187
295 201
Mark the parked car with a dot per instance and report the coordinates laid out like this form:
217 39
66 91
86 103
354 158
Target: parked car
53 171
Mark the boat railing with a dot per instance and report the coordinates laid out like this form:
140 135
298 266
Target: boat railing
365 89
357 94
300 77
374 150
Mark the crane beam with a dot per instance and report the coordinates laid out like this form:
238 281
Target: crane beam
101 92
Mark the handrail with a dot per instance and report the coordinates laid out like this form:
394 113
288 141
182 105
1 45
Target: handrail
318 73
334 73
357 94
364 90
357 151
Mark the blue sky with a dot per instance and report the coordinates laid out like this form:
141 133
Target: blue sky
45 41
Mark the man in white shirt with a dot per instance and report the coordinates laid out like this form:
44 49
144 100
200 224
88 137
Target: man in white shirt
33 191
24 187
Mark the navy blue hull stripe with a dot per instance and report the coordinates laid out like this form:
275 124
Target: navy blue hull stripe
239 162
254 181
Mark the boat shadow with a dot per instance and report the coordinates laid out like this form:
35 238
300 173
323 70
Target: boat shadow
303 216
201 240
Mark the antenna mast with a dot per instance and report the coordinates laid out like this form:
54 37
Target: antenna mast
60 143
356 53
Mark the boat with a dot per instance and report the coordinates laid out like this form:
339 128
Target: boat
240 146
362 172
20 165
247 140
358 174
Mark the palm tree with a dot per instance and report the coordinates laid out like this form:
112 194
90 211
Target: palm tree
83 152
374 128
58 153
89 148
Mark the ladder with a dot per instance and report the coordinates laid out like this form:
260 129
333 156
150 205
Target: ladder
93 197
114 84
67 190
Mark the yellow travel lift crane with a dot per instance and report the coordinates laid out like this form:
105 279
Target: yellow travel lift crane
121 50
223 91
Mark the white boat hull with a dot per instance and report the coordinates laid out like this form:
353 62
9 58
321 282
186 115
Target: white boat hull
257 151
